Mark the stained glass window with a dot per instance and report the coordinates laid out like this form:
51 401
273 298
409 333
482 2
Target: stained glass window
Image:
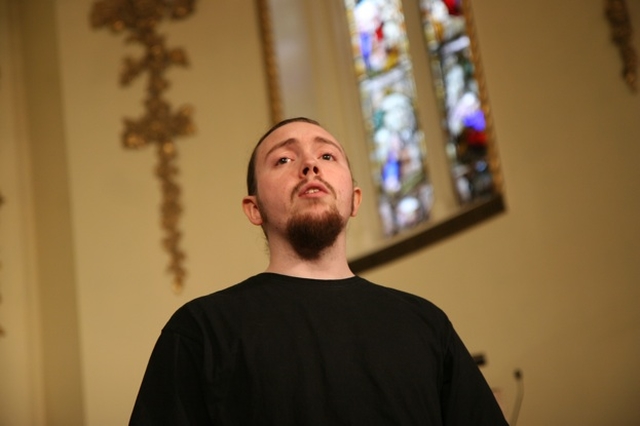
457 91
387 95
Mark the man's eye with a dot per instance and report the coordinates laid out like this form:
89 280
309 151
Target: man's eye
328 157
283 160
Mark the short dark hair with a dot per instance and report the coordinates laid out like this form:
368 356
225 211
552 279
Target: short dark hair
252 184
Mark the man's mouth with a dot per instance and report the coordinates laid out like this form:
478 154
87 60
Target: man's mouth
311 188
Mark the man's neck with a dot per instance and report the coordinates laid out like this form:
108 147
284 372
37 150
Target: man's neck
331 264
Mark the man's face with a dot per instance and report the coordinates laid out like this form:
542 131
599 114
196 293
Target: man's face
301 172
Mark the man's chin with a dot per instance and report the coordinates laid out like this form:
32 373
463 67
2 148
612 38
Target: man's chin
310 233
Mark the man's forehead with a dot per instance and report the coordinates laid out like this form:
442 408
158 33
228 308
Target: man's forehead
298 134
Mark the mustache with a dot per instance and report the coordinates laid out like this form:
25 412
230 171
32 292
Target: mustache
302 183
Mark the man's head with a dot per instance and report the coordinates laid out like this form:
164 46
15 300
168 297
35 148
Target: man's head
252 185
300 186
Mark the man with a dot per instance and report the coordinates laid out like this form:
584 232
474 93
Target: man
307 342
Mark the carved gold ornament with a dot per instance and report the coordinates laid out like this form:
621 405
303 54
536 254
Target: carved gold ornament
621 32
160 124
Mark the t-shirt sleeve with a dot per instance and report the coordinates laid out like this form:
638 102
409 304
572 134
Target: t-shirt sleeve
466 398
172 389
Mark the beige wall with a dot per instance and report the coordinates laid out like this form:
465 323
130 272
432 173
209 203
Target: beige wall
551 286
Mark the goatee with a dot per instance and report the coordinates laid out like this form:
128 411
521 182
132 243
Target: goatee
310 234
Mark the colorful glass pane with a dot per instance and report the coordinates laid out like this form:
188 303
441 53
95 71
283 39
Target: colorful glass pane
387 93
456 86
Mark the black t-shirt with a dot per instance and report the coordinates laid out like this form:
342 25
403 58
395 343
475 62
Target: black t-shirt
280 350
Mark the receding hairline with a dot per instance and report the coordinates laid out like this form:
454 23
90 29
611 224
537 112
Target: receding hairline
285 123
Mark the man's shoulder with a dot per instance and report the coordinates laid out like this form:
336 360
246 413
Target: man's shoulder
410 301
226 295
403 295
212 304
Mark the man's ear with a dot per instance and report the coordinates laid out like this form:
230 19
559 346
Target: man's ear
357 199
251 210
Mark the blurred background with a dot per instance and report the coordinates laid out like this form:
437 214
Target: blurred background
551 286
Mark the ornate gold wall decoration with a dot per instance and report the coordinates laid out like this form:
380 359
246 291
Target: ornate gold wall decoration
621 31
160 124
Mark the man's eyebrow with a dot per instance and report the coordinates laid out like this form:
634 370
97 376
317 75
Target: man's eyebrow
329 142
279 145
292 141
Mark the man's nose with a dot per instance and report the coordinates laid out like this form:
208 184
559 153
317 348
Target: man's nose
310 166
313 169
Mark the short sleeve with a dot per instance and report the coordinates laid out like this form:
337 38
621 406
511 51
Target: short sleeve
172 389
466 396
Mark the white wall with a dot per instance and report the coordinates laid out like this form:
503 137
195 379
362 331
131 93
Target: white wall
550 287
